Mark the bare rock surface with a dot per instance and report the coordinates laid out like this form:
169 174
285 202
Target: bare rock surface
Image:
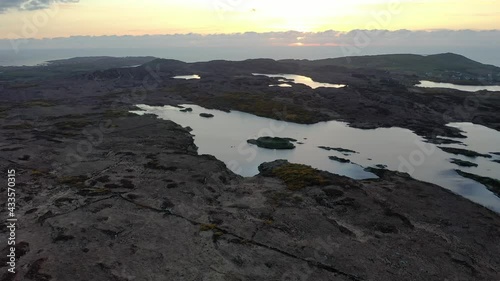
145 206
106 195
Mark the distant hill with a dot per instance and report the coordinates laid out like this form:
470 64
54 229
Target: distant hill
92 63
72 66
448 66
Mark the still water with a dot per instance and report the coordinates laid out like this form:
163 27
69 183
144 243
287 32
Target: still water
187 77
225 136
285 79
466 88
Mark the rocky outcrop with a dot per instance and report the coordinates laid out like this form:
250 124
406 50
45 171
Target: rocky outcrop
273 142
206 115
149 208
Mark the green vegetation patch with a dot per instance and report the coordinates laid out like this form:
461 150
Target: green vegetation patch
273 143
262 105
492 184
464 152
298 176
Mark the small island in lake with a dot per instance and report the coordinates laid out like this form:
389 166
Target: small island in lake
273 142
464 152
462 163
338 159
206 115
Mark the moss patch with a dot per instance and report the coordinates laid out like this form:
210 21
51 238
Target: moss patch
298 176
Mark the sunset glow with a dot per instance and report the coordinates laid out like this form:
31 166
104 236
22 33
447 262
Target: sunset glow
129 17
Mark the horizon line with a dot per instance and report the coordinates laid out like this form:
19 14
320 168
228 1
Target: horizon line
253 32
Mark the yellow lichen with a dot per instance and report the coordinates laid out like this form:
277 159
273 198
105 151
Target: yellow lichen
269 222
207 227
36 173
297 176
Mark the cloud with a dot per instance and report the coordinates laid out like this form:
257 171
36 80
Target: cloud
29 5
463 38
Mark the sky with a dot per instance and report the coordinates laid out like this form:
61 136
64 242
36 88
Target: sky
65 18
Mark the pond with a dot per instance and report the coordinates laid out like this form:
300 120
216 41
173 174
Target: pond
465 88
299 79
225 137
282 85
187 77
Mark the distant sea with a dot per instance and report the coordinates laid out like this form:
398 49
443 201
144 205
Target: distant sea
8 57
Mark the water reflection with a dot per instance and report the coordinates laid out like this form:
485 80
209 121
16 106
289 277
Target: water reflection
225 136
466 88
299 79
187 77
282 85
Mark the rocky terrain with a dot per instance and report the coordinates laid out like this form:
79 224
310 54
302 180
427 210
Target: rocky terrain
103 194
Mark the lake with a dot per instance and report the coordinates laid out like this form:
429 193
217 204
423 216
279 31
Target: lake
225 137
466 88
298 79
